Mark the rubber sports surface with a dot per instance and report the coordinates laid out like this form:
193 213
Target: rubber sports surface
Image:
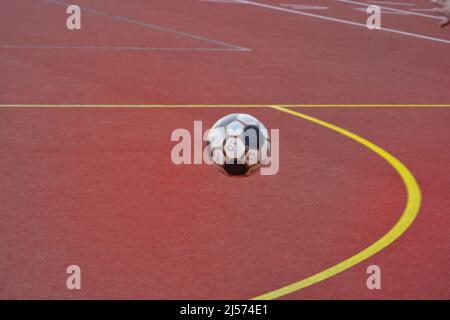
86 176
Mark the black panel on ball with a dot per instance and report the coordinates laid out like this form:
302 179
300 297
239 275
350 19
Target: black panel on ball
235 169
252 133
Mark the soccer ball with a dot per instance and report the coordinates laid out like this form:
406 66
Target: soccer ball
238 144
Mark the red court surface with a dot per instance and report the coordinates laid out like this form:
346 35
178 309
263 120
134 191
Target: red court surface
86 176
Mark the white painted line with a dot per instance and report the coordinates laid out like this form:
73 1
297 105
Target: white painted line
392 3
424 10
154 27
303 7
313 15
392 9
24 46
383 11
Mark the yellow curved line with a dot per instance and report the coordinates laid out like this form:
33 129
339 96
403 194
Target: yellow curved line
408 216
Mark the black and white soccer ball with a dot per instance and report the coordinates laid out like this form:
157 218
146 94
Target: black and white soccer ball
238 144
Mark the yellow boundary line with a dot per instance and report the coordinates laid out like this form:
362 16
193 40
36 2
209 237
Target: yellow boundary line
413 191
223 105
409 214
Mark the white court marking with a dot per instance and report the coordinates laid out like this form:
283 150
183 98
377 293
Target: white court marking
303 7
156 27
383 11
313 15
425 10
392 3
392 9
112 48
